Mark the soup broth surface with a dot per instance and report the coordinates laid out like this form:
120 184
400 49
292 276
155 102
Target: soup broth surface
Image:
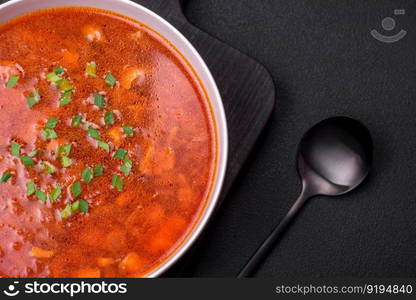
107 146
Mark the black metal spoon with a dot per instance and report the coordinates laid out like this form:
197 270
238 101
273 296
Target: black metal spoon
334 157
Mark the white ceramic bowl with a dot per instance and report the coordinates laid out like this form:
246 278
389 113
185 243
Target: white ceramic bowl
15 8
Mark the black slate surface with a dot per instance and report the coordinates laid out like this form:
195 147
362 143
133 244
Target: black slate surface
324 63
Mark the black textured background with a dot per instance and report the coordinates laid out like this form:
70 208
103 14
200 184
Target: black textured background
324 63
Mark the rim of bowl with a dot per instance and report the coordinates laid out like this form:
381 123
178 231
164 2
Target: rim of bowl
214 97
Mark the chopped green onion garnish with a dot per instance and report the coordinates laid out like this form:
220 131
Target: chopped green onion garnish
128 130
27 161
59 70
53 77
117 182
83 206
64 150
55 193
35 153
126 166
51 124
103 145
87 175
48 168
98 171
33 99
15 149
80 205
49 134
64 85
30 188
66 212
41 195
99 100
76 189
110 80
76 121
5 177
66 161
94 133
12 81
75 206
109 118
91 69
65 98
120 154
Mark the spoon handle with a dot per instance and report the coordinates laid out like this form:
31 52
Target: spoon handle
258 257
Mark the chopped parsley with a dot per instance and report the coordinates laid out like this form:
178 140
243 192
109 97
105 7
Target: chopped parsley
5 177
94 133
87 175
48 168
126 166
76 189
99 100
66 98
98 171
30 188
66 212
49 134
64 150
120 154
15 149
117 182
66 161
55 193
76 121
27 161
33 99
110 80
12 81
109 118
41 195
128 130
52 122
103 145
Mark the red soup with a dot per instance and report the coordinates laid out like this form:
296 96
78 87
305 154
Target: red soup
107 146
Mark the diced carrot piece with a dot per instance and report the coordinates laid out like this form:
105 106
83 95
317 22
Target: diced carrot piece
115 240
89 273
165 161
147 159
124 198
130 75
41 253
185 192
116 134
104 262
132 263
70 59
54 144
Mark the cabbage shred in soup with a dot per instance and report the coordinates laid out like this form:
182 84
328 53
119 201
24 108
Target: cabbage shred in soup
107 146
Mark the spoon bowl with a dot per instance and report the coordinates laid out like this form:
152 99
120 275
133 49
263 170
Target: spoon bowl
334 157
